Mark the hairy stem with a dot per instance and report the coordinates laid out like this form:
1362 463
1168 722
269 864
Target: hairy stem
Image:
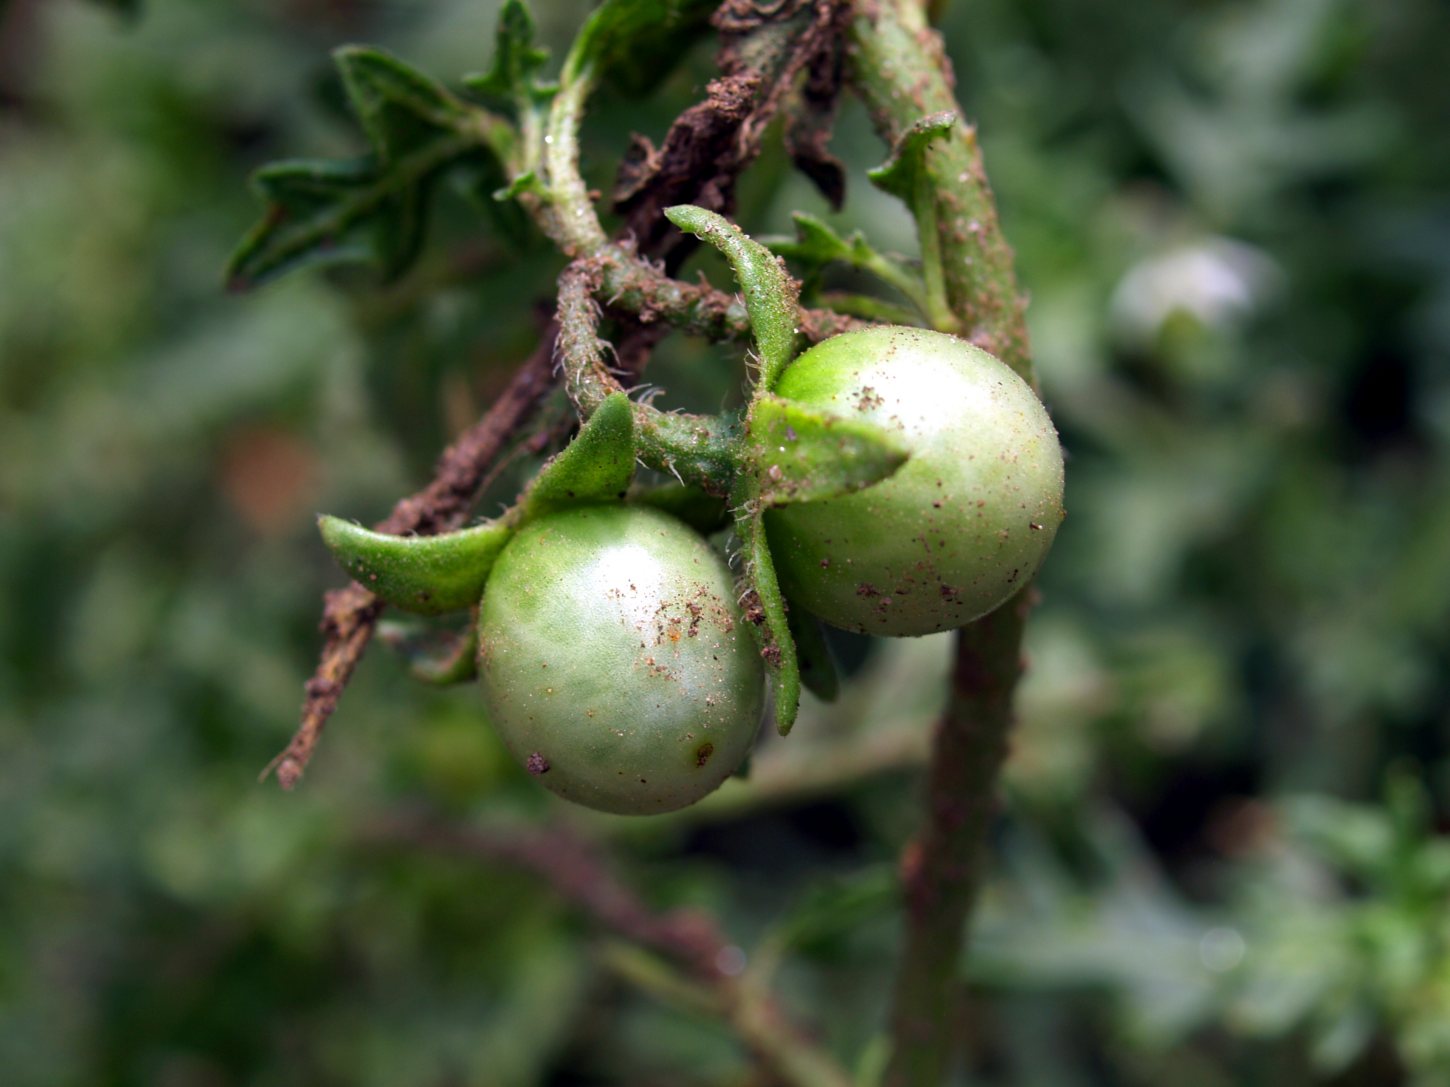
694 448
898 67
568 216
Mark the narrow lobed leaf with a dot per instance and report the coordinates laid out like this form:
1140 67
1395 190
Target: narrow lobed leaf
817 244
897 175
428 575
635 43
398 106
370 209
512 80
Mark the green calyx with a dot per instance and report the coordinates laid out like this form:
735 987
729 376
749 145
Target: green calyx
431 575
775 453
785 453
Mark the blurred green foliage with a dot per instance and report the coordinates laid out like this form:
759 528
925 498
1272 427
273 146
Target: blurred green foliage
1223 860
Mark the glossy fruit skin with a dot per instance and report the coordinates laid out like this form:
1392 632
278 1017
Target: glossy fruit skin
615 662
962 525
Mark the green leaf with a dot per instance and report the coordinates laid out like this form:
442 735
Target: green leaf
329 212
899 174
455 661
635 43
765 607
399 108
429 575
904 174
770 292
596 466
526 182
802 455
817 244
369 209
513 80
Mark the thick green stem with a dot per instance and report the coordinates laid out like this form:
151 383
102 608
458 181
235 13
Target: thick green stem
943 869
898 67
568 215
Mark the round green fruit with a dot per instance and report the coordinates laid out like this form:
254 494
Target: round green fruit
962 525
615 662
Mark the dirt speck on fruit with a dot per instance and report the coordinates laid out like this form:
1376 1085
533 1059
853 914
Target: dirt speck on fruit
703 753
536 764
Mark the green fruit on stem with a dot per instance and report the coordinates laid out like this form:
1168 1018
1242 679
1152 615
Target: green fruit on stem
615 662
962 525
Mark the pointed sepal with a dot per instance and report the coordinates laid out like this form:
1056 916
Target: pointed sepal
801 455
771 295
429 575
596 466
765 611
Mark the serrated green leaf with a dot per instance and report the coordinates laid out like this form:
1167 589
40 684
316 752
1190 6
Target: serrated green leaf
369 209
817 244
770 293
596 466
429 575
802 455
399 107
324 211
512 79
634 43
898 174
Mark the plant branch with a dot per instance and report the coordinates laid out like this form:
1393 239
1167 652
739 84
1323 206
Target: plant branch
699 967
629 282
898 66
350 614
697 448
